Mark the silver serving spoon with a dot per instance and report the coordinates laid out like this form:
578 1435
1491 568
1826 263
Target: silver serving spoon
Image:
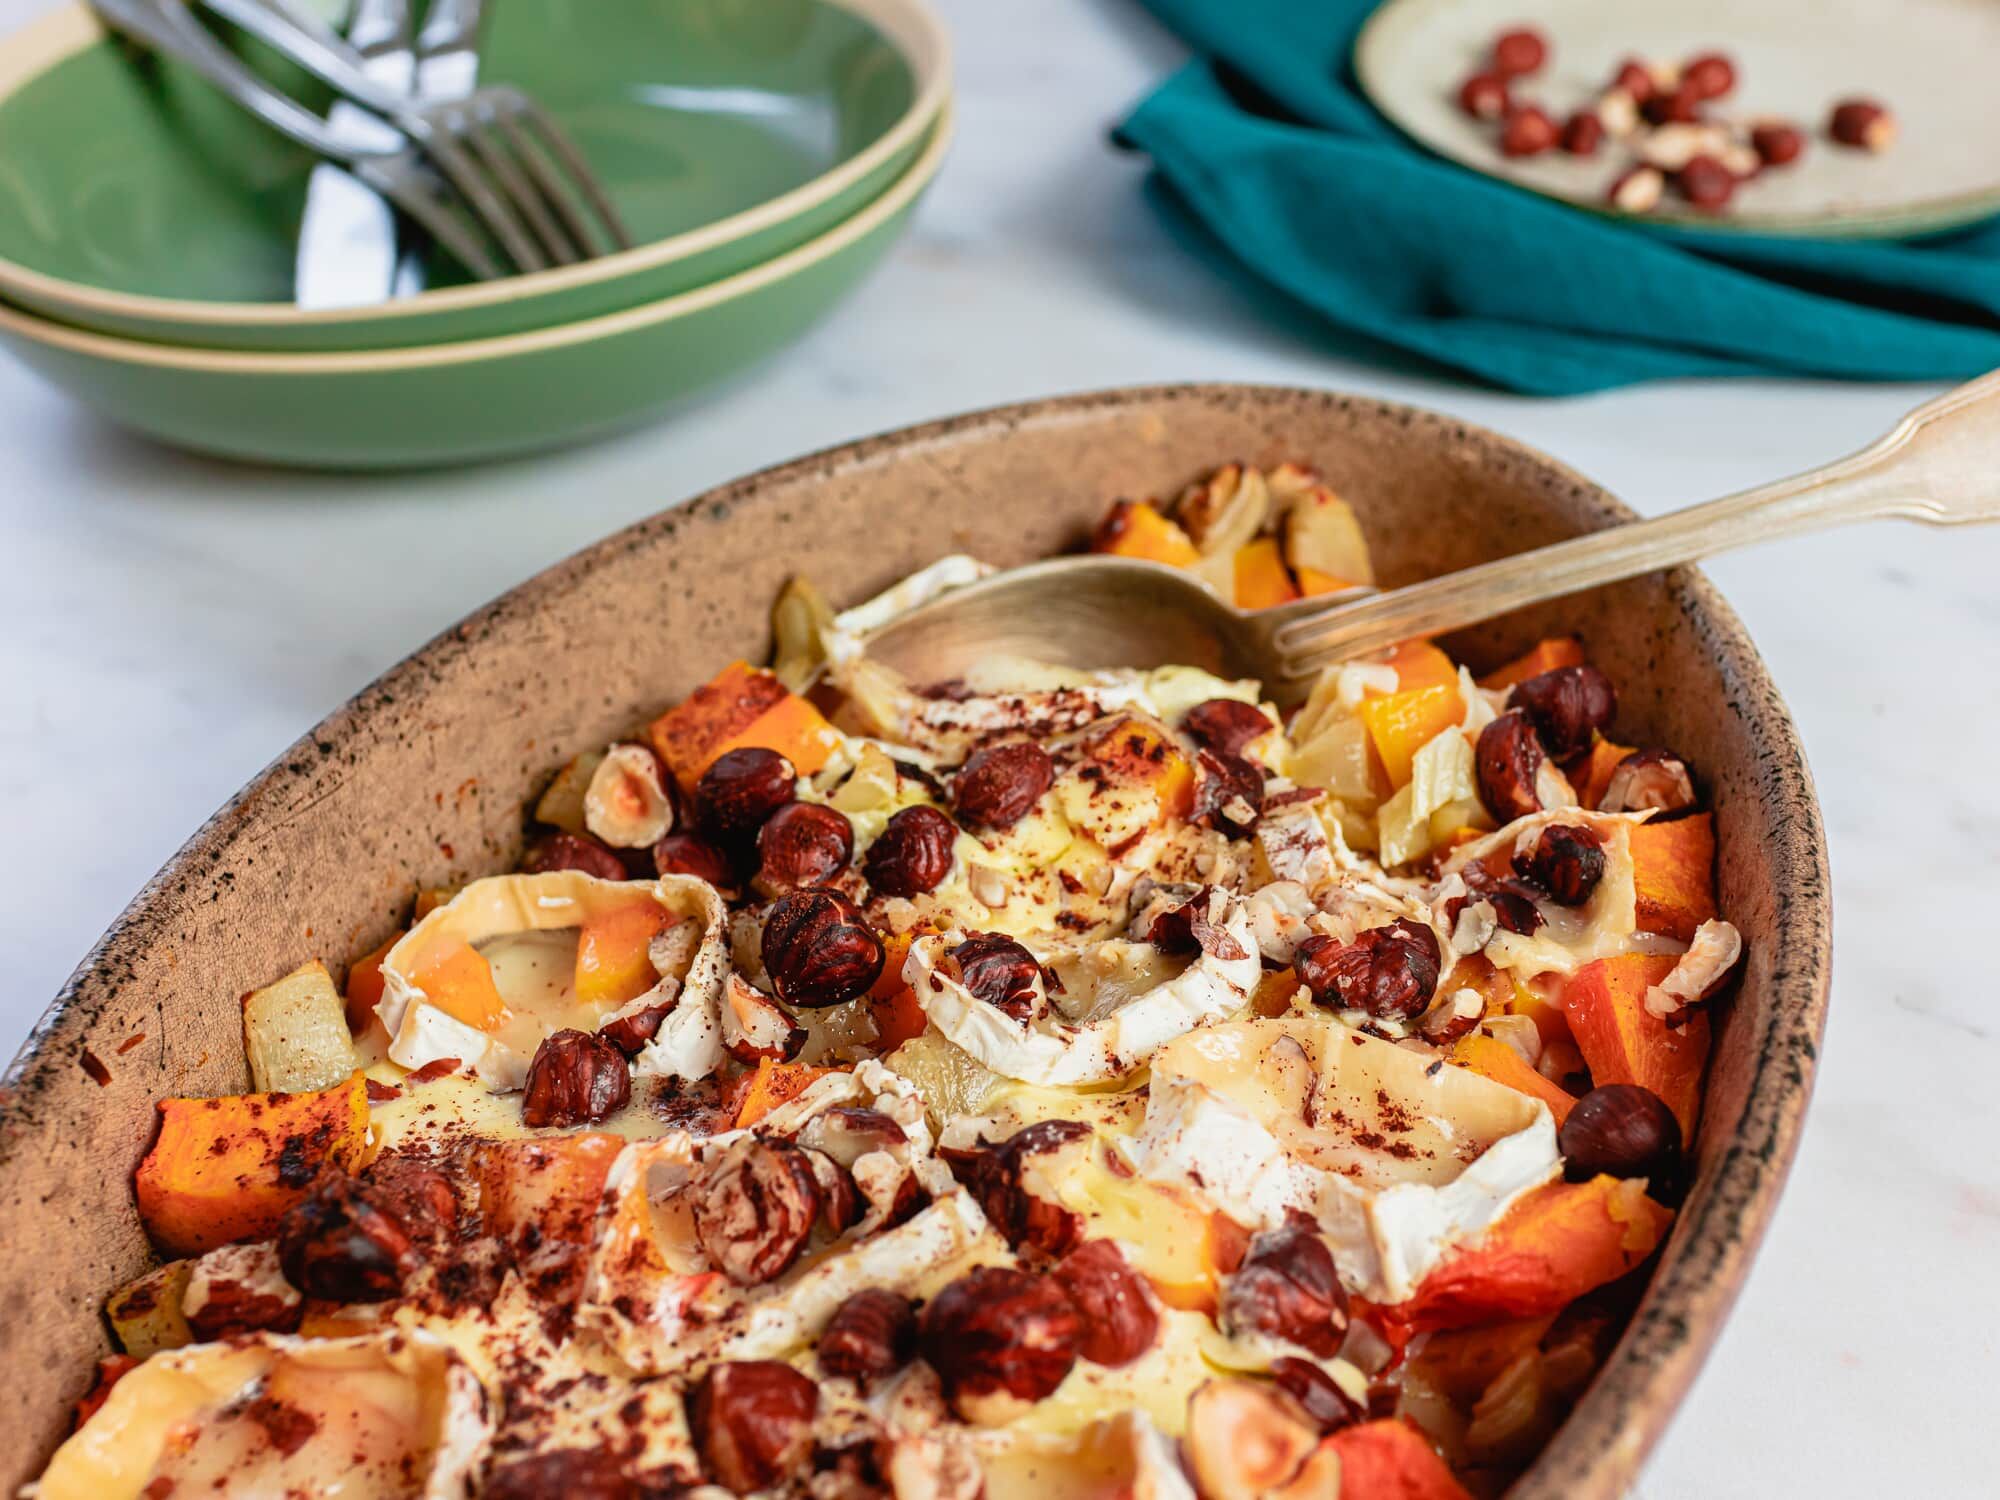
1940 465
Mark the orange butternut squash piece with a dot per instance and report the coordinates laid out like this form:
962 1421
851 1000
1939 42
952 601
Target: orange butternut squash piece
892 1004
1262 579
1419 664
227 1169
1547 1013
1132 528
1595 776
612 965
1496 1060
1673 874
431 897
1388 1459
458 981
364 985
1401 724
1547 655
1142 779
773 1084
1551 1247
1197 1287
1313 583
550 1184
1623 1042
793 728
693 732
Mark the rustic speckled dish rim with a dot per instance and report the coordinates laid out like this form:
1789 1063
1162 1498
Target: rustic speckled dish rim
912 26
1598 1451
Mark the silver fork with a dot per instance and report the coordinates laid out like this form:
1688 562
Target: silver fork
167 27
516 170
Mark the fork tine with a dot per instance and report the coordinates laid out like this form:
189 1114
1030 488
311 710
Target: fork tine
440 140
402 185
554 187
521 189
577 169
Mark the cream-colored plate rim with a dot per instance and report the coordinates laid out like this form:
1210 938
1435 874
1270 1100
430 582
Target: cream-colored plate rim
113 350
911 25
1918 216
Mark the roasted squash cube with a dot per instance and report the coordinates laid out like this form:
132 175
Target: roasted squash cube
1623 1042
612 962
1262 579
1547 655
459 981
1673 874
227 1169
1132 528
146 1314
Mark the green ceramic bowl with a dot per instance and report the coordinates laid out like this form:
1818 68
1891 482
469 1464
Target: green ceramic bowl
490 398
137 201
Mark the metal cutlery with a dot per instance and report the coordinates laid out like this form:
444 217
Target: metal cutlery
501 164
348 254
519 173
1936 466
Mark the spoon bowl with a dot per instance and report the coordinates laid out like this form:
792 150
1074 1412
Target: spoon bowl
1092 613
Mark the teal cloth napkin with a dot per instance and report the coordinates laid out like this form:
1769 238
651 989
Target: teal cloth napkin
1268 156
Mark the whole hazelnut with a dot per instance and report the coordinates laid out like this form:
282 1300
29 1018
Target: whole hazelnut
1508 761
343 1244
572 851
752 1422
1227 725
576 1078
1862 123
1656 780
741 789
1583 134
1569 707
1287 1289
1484 96
754 1207
1638 190
1566 860
872 1334
802 844
1519 52
998 1339
912 854
1624 1130
1330 1407
1706 184
1230 793
1777 142
1634 78
690 854
1000 784
998 970
819 949
1120 1322
1527 131
1389 972
1709 76
992 1174
1679 105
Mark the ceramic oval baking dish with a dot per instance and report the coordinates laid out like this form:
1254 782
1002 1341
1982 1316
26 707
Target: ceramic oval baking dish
421 780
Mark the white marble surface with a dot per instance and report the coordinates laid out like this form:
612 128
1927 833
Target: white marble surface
172 624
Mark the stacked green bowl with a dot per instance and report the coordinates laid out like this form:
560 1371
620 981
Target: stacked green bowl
763 154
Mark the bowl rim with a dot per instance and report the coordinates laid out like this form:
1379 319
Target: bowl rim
113 349
913 27
1599 1449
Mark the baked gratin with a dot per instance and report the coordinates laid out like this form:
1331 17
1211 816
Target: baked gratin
1038 1084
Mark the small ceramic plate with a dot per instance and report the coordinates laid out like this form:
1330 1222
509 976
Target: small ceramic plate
1930 61
481 399
137 201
